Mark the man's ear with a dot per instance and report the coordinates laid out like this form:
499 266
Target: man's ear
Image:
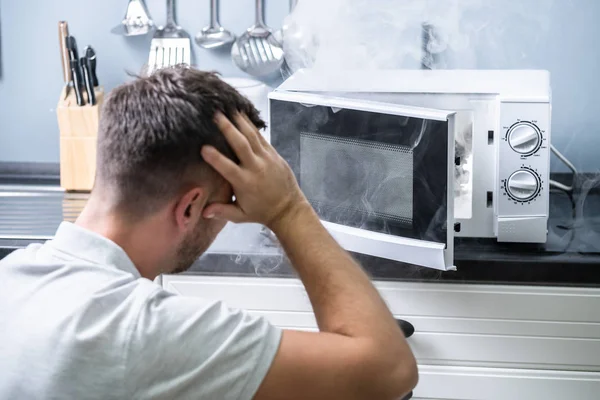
188 209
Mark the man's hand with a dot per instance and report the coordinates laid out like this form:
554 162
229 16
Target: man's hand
264 186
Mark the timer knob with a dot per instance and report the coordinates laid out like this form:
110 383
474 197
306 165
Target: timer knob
523 185
524 138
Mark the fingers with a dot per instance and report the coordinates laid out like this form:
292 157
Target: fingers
229 212
223 165
248 129
260 137
238 142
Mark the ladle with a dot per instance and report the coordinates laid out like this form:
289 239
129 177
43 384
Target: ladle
214 35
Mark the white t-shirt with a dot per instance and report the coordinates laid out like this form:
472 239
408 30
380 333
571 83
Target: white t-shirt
77 321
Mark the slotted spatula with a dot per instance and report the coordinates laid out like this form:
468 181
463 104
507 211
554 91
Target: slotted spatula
170 44
258 52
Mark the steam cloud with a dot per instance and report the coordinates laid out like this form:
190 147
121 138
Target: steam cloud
364 34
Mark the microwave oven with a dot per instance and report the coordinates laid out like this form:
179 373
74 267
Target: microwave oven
397 163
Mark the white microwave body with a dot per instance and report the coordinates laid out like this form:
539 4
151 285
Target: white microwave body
450 153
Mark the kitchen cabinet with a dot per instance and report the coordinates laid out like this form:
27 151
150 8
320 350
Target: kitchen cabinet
471 341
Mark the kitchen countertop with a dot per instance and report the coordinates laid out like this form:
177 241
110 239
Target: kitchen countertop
32 205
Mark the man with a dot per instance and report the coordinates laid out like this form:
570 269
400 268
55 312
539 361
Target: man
80 317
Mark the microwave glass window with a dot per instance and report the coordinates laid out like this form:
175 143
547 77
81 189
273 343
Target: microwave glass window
371 170
465 122
361 177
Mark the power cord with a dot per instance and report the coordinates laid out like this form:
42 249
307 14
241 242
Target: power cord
558 185
568 190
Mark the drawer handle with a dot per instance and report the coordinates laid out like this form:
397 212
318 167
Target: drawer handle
407 328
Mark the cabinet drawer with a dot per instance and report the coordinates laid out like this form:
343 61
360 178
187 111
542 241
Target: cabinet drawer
491 350
464 383
456 325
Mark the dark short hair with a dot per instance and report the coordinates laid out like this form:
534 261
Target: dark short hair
152 129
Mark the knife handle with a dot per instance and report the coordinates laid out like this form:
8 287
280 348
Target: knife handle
90 54
63 33
87 80
77 81
93 72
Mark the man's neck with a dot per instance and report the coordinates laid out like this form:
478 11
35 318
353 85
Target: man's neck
138 239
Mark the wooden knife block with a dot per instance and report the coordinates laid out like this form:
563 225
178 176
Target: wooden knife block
78 126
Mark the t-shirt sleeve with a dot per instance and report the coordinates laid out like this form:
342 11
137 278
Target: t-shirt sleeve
188 348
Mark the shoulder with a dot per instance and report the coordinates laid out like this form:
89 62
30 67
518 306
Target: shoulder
188 318
21 254
181 345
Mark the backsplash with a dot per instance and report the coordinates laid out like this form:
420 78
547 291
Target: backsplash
31 77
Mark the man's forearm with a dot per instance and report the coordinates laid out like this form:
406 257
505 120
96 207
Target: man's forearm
343 298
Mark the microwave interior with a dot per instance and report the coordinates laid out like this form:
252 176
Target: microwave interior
379 170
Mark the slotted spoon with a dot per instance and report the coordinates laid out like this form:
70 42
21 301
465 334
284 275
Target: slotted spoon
258 52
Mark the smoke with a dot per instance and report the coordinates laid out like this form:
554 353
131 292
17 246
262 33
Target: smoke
333 35
265 265
586 214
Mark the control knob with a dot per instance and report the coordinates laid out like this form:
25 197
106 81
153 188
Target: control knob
524 138
523 185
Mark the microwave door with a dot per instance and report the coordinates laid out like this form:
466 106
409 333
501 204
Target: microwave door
379 175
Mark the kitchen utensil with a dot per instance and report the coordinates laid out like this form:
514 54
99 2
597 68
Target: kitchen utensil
170 45
214 35
63 33
72 48
280 35
137 20
75 69
257 52
87 80
90 54
77 82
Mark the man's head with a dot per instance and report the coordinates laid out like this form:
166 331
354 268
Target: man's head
148 158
